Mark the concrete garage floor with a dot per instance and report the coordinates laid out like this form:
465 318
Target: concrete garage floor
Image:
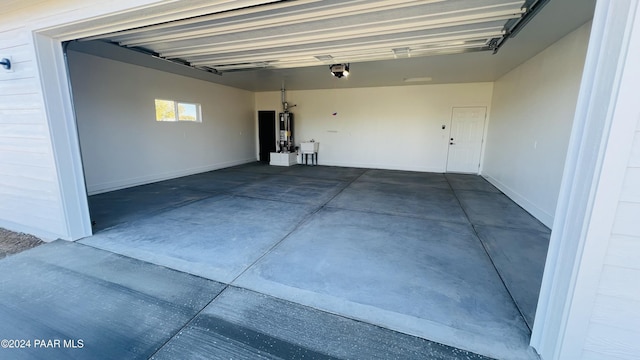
71 301
294 262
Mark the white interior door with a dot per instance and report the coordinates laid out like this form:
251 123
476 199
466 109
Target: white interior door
465 139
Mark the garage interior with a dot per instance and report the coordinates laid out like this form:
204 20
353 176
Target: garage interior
382 230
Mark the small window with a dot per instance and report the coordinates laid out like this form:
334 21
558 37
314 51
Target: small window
169 110
188 112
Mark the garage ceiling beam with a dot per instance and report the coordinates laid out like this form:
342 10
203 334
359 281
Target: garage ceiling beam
294 33
292 17
348 49
154 14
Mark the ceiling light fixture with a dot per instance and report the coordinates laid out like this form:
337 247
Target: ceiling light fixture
401 52
324 57
339 70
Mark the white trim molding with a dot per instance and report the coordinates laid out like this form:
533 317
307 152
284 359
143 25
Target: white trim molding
599 149
64 136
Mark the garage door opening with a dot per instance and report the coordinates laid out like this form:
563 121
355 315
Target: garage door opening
234 224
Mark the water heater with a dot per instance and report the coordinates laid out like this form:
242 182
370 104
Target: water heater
285 140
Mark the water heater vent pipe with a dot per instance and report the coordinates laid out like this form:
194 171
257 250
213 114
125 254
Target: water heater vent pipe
285 106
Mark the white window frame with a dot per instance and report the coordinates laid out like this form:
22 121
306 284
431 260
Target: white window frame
176 107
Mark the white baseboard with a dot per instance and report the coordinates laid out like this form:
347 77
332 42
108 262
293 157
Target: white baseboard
93 189
383 166
531 208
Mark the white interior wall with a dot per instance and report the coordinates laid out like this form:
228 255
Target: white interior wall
122 143
382 127
531 116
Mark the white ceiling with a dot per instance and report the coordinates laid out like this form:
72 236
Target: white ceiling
261 48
